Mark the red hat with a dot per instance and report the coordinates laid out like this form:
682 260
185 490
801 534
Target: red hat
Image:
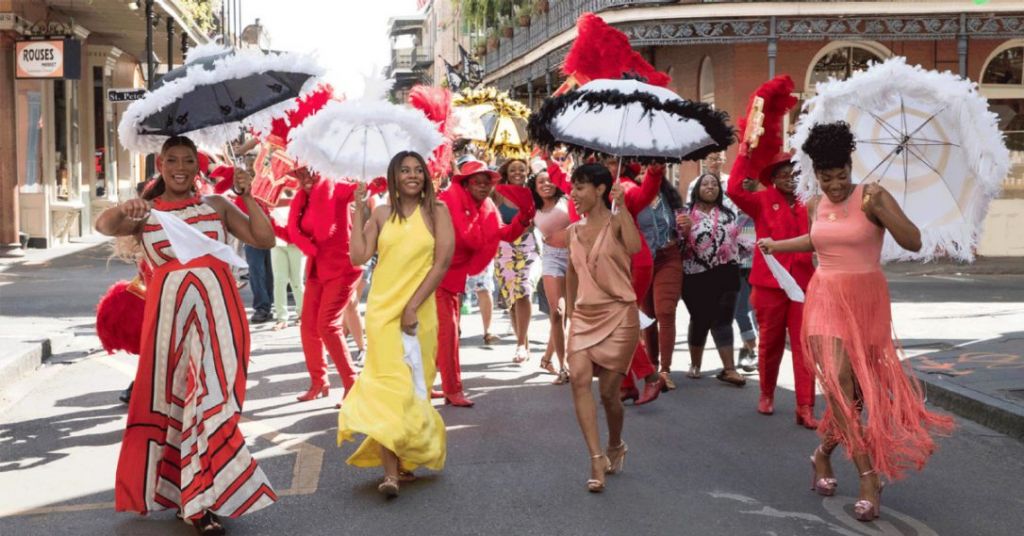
474 167
766 172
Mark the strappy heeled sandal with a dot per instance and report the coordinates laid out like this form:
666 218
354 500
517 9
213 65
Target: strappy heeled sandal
824 486
617 457
865 510
594 485
545 364
209 525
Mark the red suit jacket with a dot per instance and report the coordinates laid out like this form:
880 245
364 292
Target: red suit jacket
478 229
775 219
638 197
323 231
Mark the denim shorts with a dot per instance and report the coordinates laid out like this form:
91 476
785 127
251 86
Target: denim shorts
554 261
484 281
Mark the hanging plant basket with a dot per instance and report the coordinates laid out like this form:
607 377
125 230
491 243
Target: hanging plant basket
524 20
541 7
507 31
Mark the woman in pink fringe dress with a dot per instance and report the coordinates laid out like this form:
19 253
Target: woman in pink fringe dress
847 328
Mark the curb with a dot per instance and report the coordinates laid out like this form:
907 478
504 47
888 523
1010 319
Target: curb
979 407
28 356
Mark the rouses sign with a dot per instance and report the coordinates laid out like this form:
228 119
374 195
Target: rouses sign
52 58
125 95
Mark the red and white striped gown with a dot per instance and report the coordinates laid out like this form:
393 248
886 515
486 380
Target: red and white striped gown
182 448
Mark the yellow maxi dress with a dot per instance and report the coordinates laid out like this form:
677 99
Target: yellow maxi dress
383 404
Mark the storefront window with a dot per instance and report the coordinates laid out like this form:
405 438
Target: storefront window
30 121
60 141
1003 83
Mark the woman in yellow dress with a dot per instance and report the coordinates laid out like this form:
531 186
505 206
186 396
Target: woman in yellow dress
390 403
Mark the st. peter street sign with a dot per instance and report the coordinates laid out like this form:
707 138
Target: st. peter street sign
125 95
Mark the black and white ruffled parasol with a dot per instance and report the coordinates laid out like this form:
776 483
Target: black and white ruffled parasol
217 92
631 119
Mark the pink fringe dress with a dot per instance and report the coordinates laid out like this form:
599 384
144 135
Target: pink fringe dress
848 312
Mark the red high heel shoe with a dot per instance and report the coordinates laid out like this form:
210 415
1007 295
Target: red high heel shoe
437 395
865 510
458 400
823 486
651 392
629 393
805 417
766 405
320 390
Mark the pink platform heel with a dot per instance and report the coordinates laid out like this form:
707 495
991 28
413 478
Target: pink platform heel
865 510
822 486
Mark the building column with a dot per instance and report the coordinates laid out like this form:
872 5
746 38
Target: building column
961 46
170 43
529 93
150 66
9 222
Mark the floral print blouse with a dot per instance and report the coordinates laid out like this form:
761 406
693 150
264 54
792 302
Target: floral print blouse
714 240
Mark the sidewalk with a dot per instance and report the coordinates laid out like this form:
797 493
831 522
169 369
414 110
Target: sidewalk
981 380
980 266
46 299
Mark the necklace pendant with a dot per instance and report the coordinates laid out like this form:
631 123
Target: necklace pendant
831 216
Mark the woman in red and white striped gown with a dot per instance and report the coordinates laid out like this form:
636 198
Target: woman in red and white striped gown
182 448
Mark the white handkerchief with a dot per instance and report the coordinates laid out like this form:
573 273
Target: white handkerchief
414 358
188 243
645 321
786 281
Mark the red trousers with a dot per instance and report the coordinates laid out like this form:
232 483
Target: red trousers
777 314
323 306
661 303
448 341
641 366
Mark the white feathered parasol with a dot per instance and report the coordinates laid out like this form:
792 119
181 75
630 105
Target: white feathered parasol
928 138
357 138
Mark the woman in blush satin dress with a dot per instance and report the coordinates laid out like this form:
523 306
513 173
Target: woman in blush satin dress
601 304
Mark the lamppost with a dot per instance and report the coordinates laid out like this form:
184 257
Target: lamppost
150 66
170 43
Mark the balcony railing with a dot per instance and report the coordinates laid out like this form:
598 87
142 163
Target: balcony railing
422 56
401 60
561 16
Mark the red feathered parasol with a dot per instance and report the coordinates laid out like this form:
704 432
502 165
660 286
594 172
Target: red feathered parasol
436 104
768 106
601 51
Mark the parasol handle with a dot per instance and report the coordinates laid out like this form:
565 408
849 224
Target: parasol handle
618 166
365 137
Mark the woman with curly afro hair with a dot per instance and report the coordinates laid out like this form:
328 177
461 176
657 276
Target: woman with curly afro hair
847 327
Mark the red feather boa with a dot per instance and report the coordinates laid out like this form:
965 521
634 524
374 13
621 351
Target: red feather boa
119 319
436 104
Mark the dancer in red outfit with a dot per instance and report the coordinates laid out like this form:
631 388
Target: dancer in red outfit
637 198
478 229
778 215
319 225
847 331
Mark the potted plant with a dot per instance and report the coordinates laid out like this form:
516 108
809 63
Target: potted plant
541 7
480 46
492 40
505 23
523 14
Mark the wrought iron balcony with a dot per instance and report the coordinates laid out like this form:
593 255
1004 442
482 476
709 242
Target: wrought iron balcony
561 16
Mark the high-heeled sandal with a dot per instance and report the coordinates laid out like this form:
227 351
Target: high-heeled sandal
209 525
563 377
545 364
865 510
825 486
315 391
389 486
669 385
594 485
694 372
616 461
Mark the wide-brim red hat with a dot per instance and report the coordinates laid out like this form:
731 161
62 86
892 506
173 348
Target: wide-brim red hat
475 167
766 173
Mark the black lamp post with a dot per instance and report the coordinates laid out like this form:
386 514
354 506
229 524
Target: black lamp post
150 66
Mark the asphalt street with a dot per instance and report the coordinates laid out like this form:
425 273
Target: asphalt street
701 460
